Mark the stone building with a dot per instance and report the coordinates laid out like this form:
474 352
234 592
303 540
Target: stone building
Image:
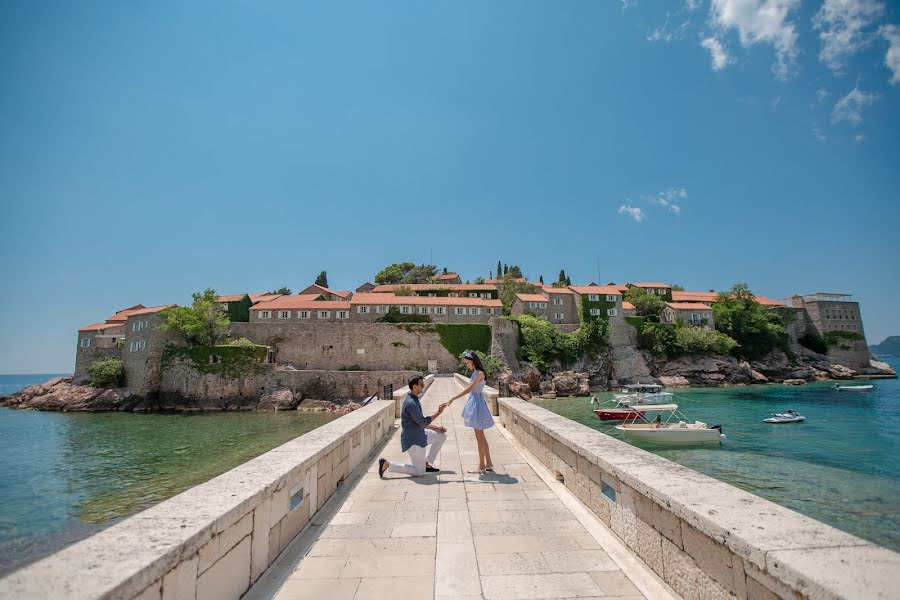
831 312
143 348
449 290
101 340
286 307
557 305
688 313
366 287
656 288
327 294
368 308
448 278
601 293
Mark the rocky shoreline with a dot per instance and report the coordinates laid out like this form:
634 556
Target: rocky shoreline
62 394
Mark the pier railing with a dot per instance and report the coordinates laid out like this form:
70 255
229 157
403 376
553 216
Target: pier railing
705 538
214 540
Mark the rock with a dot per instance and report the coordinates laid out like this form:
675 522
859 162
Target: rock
584 386
549 396
520 388
532 377
278 400
348 408
674 381
546 387
794 382
107 400
841 372
317 406
881 368
565 383
758 377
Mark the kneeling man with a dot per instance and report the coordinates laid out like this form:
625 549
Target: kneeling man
417 433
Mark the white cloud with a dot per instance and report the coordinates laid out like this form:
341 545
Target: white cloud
860 137
692 4
849 108
632 211
626 4
667 199
821 94
664 34
776 102
841 25
820 135
761 21
719 56
892 59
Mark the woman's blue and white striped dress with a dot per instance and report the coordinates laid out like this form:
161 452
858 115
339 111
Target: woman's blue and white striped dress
476 413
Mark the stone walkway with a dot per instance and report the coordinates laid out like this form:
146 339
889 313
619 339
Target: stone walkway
517 534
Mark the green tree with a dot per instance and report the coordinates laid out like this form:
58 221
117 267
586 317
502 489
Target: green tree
541 279
677 288
515 271
699 340
322 279
492 366
445 270
568 280
505 269
479 280
203 323
561 280
658 339
394 273
282 290
756 329
508 290
645 305
499 270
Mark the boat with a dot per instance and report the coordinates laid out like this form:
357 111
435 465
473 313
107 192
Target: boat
642 393
852 388
789 416
669 432
621 413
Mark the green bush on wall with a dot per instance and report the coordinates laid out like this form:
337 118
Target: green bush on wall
834 338
813 342
237 359
492 366
459 338
107 372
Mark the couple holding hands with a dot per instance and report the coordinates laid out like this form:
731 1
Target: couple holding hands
419 432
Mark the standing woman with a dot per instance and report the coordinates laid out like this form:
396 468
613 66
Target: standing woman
476 413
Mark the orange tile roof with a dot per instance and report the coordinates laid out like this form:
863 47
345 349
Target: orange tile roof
325 290
531 297
688 306
768 301
307 305
627 306
555 290
420 287
264 297
97 326
694 296
151 309
596 289
447 276
382 298
651 285
514 280
343 293
231 298
286 302
122 315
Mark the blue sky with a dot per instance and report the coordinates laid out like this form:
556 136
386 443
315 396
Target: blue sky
152 149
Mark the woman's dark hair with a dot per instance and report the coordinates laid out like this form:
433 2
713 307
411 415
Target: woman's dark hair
475 361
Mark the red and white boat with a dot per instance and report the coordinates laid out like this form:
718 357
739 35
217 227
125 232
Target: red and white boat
621 413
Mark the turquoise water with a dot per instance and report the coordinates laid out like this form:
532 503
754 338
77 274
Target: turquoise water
841 466
64 476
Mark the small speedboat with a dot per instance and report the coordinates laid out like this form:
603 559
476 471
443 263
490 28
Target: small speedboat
623 413
669 432
852 388
642 393
789 416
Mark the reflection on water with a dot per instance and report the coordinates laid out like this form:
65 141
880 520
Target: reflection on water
842 466
66 475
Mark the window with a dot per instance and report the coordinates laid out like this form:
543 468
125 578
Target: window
432 295
490 311
324 314
610 298
595 312
557 301
423 310
86 342
270 356
558 316
473 294
542 305
303 314
343 314
611 312
404 310
486 296
381 308
284 314
532 305
593 297
454 295
363 310
438 310
474 310
460 310
215 359
651 291
146 324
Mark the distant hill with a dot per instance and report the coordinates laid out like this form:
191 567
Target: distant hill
889 347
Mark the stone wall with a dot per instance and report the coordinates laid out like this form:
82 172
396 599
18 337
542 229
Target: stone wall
181 386
505 342
214 540
142 353
703 537
375 346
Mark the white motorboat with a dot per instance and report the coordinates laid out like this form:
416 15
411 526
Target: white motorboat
852 388
642 393
789 416
670 431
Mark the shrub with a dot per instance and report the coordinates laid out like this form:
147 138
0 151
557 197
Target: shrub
492 365
658 339
645 305
205 322
813 342
468 336
393 315
541 342
107 372
699 340
834 338
756 329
